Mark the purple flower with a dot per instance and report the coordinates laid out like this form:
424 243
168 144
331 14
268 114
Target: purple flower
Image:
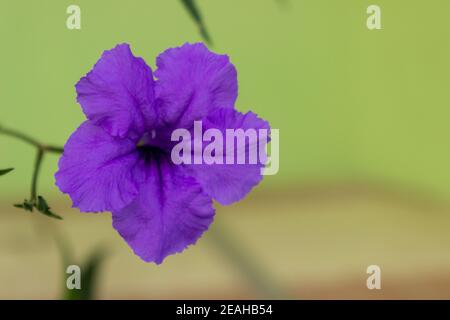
119 159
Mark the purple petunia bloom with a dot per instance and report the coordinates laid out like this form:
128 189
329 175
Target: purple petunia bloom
119 159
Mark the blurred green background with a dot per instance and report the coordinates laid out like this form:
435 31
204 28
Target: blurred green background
363 118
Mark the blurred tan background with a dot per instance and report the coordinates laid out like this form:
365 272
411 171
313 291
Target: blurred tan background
363 118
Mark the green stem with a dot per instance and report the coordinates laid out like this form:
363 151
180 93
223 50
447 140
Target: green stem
37 166
41 149
253 271
25 138
53 149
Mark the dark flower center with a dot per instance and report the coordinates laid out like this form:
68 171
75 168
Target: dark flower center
150 148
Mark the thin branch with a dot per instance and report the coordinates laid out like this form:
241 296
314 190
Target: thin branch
25 138
20 136
36 201
53 149
37 166
252 270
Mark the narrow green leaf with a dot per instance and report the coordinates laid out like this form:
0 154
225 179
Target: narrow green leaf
5 171
43 208
26 205
51 214
192 7
90 271
40 205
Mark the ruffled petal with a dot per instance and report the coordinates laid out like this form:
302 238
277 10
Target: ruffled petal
224 182
170 213
99 172
193 81
118 93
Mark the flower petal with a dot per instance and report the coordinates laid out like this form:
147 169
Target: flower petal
118 92
170 213
192 81
98 171
224 182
